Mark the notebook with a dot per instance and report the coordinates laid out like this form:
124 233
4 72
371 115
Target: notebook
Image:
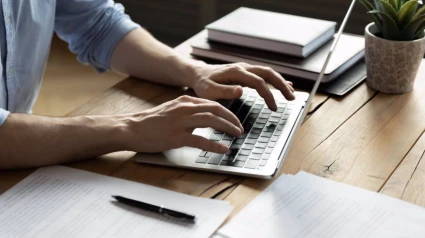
349 51
276 32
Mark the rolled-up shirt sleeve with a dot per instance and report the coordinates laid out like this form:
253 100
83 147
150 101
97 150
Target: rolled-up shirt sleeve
92 29
3 115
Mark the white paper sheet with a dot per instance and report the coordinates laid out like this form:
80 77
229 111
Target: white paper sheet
309 206
63 202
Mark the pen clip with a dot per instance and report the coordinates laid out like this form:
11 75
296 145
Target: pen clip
176 215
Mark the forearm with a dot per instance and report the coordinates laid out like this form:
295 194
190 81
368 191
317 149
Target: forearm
140 55
31 141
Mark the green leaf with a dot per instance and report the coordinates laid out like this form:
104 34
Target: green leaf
420 12
376 19
390 29
420 34
406 13
394 4
388 9
378 5
411 29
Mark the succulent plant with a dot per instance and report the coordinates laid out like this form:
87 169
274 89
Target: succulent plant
398 20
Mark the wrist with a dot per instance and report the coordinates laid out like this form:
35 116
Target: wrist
106 132
188 70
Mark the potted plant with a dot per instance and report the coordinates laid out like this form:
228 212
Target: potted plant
395 44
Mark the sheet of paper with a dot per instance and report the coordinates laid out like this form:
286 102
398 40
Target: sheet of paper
64 202
298 207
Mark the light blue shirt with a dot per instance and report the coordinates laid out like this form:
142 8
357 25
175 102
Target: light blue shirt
92 29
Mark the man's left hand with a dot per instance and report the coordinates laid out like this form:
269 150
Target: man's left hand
224 82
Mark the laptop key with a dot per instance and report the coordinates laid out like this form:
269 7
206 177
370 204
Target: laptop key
280 109
238 141
248 146
274 119
251 164
245 152
276 114
261 120
259 126
280 127
269 150
203 153
253 135
228 137
217 132
272 144
241 158
216 137
255 156
267 134
215 159
288 111
257 130
277 133
257 106
201 160
266 110
263 163
261 145
269 129
258 151
227 158
264 139
275 138
208 154
226 142
232 152
235 146
250 141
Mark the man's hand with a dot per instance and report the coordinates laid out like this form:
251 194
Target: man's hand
171 124
222 82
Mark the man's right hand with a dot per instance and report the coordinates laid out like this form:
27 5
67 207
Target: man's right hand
171 124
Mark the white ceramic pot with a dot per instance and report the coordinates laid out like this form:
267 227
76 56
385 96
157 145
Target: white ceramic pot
392 65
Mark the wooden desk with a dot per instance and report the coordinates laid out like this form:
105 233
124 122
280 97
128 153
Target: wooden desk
366 139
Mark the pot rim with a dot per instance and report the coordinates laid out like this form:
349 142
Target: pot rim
392 41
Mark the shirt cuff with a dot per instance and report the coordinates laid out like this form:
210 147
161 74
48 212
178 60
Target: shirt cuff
3 115
104 51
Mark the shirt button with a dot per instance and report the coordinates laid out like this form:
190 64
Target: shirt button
8 21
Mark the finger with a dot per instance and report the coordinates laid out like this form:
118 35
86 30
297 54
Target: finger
218 110
195 100
213 91
274 79
237 74
204 120
205 144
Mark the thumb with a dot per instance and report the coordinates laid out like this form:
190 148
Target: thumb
222 91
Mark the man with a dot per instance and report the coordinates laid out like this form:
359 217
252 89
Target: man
102 35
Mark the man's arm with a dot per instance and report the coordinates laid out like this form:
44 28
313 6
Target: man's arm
29 140
140 55
32 141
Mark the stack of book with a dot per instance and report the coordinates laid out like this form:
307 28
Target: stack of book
291 45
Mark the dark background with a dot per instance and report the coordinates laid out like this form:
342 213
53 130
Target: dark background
173 21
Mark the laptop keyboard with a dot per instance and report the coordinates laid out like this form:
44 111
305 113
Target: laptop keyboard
262 129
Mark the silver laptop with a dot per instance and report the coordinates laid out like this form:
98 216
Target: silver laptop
262 149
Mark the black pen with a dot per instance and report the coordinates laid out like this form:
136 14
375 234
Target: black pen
157 209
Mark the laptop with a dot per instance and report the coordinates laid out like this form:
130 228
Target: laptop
262 149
